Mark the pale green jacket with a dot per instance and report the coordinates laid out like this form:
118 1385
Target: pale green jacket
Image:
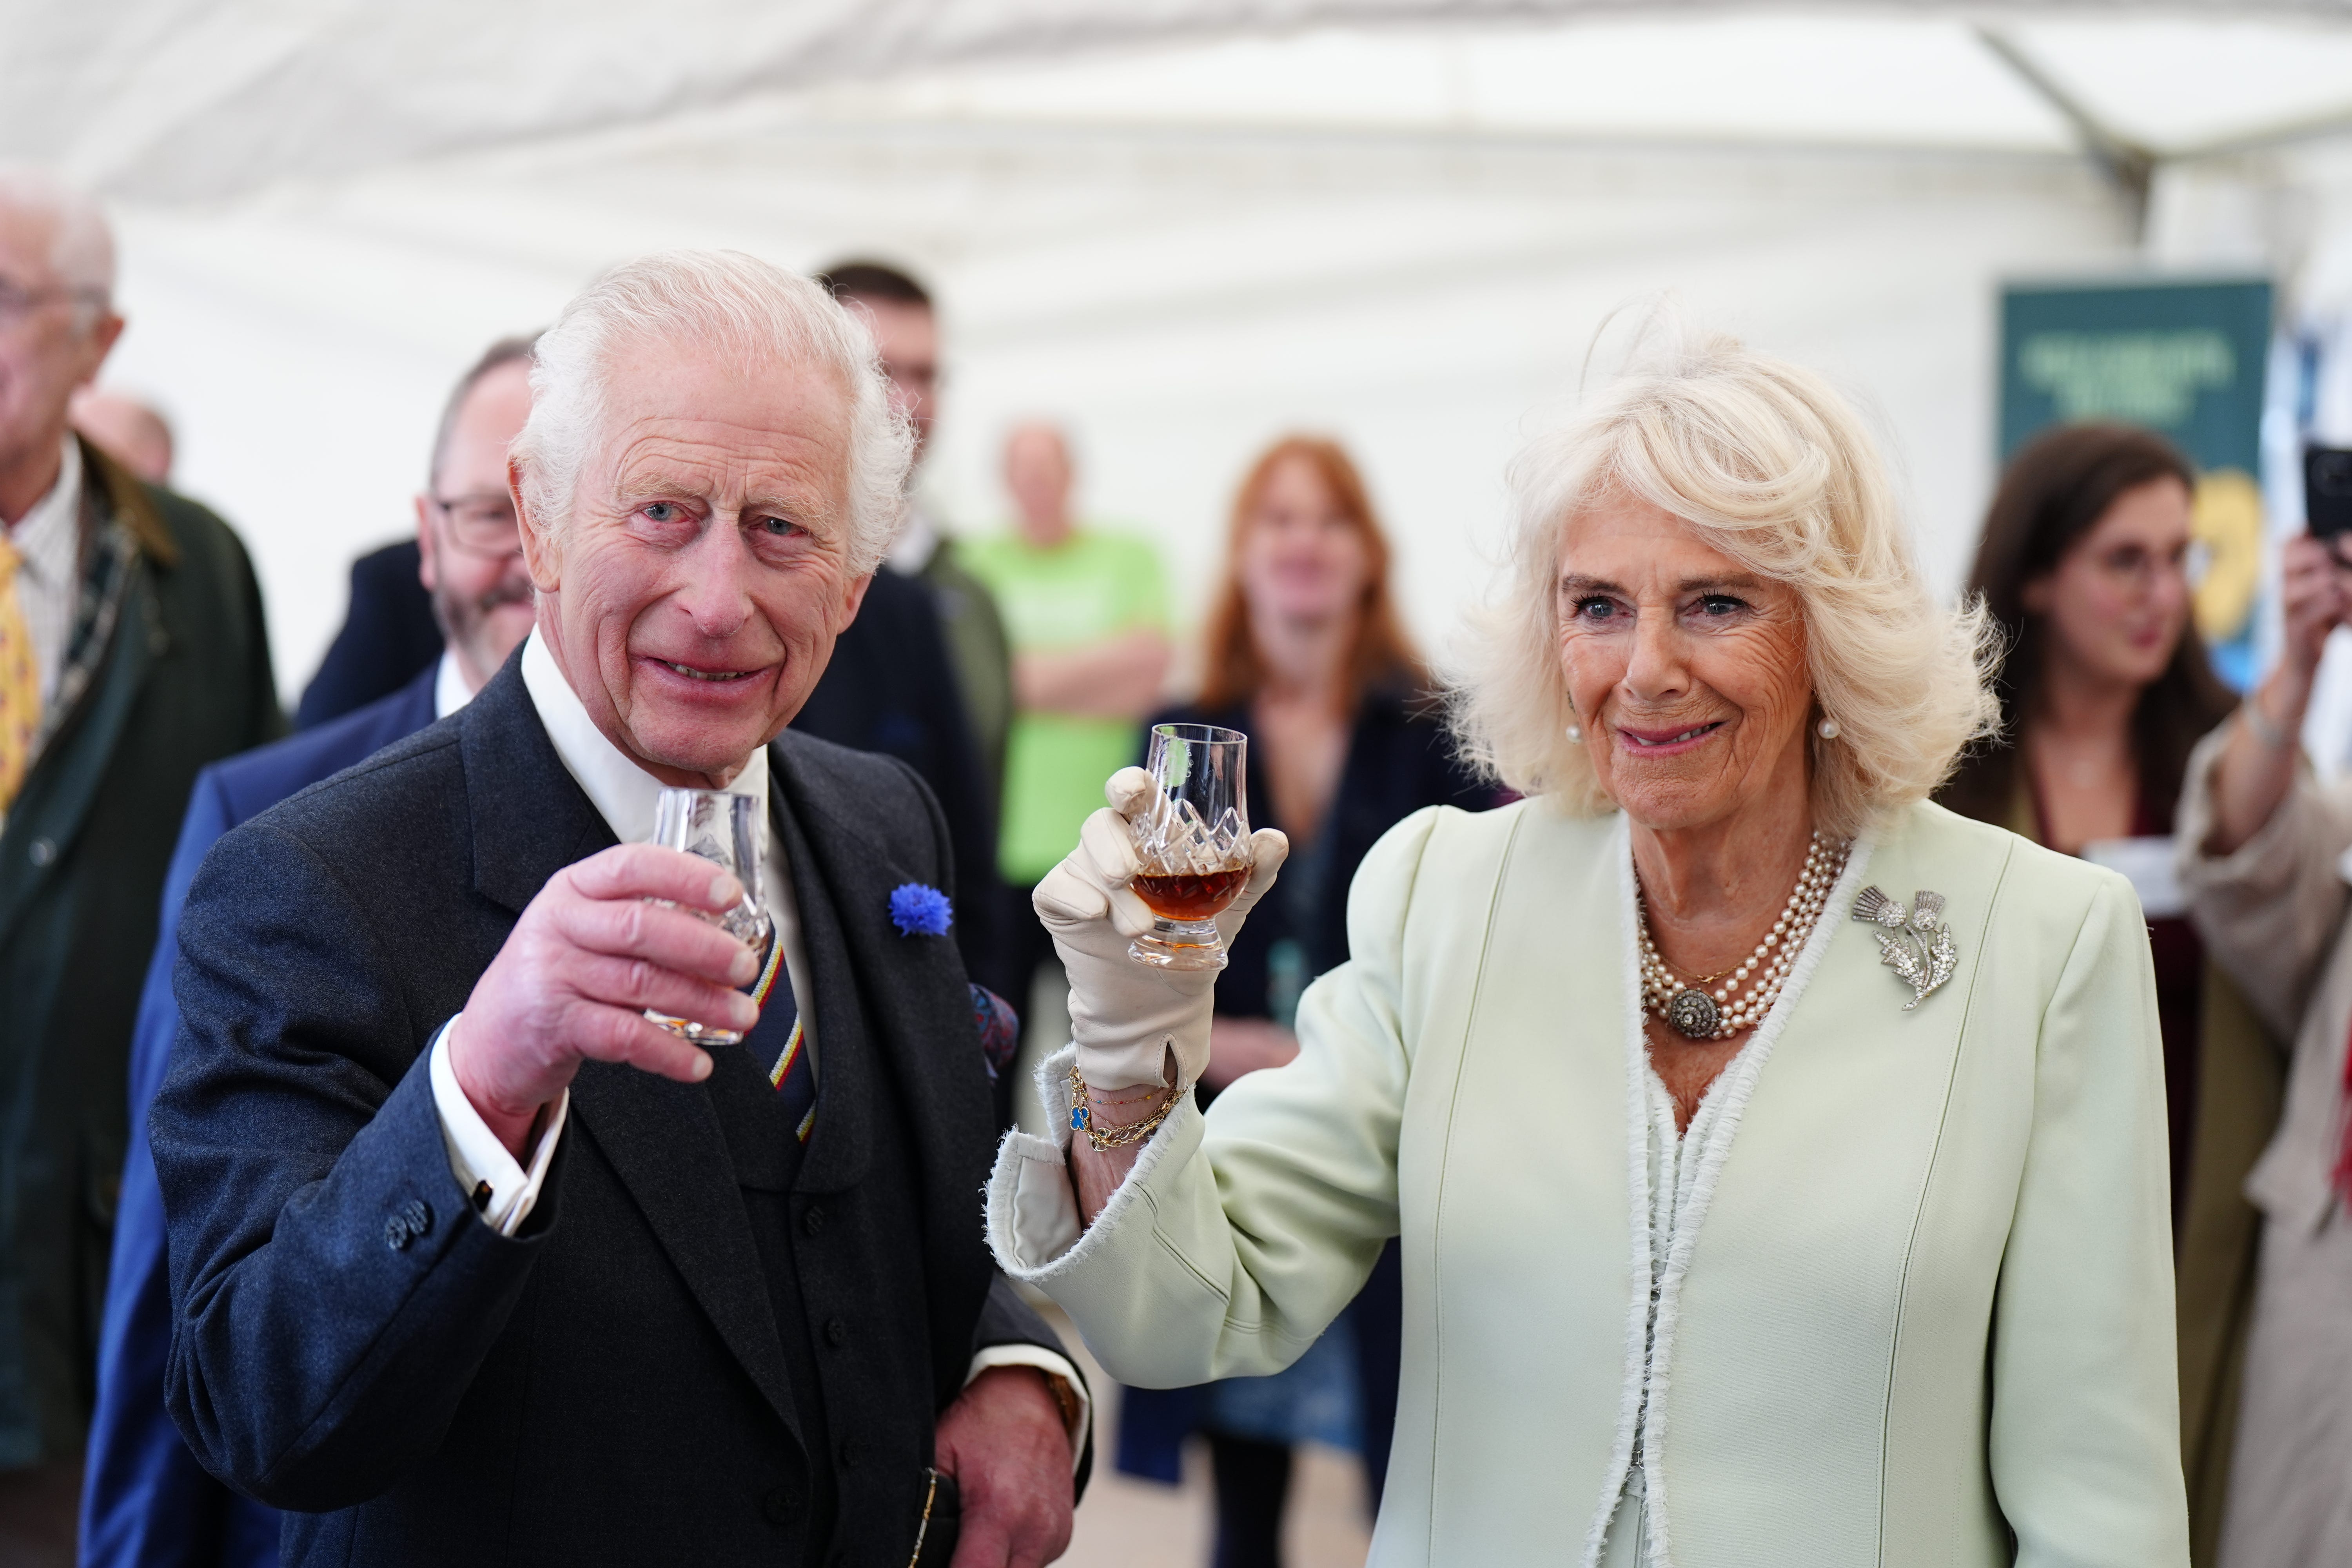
1921 1297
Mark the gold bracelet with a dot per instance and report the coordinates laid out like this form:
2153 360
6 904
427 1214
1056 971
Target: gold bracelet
1082 1118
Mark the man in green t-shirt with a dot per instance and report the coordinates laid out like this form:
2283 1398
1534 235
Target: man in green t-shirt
1087 615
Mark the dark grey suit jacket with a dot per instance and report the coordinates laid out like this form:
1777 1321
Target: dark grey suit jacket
618 1382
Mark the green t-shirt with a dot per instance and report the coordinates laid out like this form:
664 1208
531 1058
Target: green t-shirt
1087 588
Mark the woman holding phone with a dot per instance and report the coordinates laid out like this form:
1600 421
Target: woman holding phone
2105 689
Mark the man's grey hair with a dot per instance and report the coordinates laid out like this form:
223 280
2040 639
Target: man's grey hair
757 314
81 245
505 351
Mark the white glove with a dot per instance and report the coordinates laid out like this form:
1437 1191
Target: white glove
1126 1016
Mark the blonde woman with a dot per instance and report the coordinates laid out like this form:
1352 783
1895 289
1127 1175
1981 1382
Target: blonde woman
1779 1160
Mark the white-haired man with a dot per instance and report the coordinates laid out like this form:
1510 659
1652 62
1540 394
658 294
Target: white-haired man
131 654
470 1262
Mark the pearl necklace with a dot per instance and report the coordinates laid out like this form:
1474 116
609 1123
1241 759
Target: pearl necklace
1696 1014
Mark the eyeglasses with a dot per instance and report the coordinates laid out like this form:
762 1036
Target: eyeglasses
18 302
483 524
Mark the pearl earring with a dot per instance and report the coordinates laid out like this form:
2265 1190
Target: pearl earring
1576 731
1827 729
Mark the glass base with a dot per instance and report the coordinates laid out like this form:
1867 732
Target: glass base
1180 944
700 1034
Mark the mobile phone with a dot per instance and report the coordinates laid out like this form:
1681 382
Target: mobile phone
2327 490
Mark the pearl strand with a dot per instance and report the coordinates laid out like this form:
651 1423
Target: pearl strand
1771 962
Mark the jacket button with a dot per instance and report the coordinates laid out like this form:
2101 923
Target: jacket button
836 1332
41 851
395 1233
852 1451
813 1222
779 1504
418 1214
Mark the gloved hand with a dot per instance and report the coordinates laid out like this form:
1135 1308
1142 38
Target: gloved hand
1126 1016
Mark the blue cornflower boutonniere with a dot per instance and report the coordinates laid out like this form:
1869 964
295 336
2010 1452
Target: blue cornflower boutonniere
917 910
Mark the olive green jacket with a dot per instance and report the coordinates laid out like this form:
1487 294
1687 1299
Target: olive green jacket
169 669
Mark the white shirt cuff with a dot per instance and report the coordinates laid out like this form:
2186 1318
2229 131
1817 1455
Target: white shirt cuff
495 1186
1080 1416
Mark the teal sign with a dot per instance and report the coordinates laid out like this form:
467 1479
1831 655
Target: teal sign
2187 359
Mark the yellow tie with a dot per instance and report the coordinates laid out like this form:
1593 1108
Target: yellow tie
20 681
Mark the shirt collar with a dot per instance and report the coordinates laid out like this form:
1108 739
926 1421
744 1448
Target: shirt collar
49 537
450 691
623 793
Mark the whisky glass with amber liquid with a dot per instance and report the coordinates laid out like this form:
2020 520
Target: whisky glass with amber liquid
1194 840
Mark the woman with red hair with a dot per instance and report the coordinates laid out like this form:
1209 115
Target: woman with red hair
1305 655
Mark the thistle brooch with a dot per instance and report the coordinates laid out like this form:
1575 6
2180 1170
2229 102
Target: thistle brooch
1916 943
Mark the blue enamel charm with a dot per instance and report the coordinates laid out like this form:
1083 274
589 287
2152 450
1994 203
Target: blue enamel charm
919 909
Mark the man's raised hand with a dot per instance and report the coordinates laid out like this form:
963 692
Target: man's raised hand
580 968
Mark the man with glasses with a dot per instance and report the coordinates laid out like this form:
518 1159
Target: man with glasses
147 1502
131 653
395 628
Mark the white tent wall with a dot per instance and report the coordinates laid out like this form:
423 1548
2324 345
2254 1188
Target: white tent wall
1403 230
1177 307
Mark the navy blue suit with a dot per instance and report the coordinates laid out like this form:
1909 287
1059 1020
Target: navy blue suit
146 1503
692 1351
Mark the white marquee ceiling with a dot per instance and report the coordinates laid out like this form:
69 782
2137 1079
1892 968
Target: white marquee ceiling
1182 226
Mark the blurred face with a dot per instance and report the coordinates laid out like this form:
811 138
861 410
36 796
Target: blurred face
471 551
1687 670
2118 603
1301 557
50 343
908 336
1037 472
694 595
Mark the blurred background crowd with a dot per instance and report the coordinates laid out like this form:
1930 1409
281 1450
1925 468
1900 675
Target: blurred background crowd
1216 335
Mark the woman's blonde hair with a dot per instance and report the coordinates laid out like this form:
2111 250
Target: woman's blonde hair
1774 469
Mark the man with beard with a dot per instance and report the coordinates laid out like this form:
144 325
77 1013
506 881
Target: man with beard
146 1502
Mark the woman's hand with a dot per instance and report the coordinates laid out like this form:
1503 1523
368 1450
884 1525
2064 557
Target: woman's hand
2310 595
2257 765
1141 1032
1128 1018
1238 1047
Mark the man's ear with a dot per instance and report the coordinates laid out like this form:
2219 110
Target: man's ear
425 572
541 556
851 601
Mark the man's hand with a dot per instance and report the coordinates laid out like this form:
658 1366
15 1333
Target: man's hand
578 969
1003 1442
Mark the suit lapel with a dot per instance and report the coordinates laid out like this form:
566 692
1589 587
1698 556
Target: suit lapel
888 1006
663 1141
840 1143
531 819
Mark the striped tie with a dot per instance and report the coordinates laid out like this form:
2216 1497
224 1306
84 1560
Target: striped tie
780 1046
20 681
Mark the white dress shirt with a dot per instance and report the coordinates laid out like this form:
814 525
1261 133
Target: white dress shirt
451 690
48 579
626 796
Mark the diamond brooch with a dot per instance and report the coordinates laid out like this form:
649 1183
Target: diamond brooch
1915 942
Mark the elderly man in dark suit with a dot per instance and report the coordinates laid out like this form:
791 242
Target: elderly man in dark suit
472 1263
132 652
